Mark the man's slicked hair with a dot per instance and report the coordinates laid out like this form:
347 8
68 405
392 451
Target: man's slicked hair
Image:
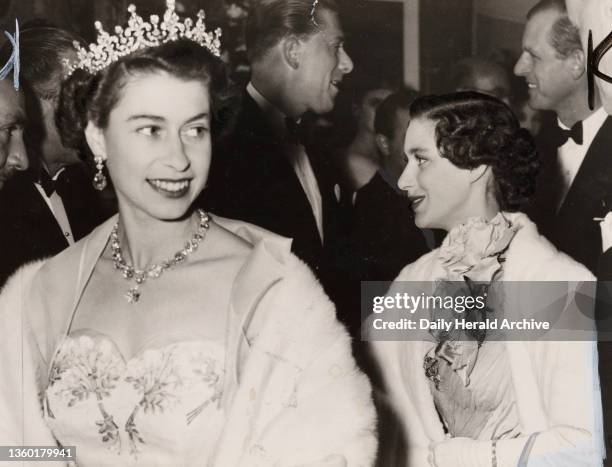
269 21
42 49
564 35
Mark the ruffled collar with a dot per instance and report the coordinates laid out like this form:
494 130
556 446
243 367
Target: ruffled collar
474 249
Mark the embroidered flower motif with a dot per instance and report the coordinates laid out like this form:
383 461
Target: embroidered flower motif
212 377
86 367
156 377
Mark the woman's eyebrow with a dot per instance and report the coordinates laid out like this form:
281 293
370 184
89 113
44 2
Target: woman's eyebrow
145 116
199 116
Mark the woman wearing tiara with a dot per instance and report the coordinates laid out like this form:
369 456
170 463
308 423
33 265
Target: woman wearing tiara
170 336
462 398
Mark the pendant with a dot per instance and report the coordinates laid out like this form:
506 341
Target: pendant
133 295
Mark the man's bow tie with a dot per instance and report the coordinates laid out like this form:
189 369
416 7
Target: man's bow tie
46 182
51 186
574 132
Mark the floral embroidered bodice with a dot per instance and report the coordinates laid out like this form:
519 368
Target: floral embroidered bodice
159 408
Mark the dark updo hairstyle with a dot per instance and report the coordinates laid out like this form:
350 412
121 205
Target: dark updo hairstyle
474 129
85 97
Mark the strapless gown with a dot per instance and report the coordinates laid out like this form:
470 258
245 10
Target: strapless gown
160 407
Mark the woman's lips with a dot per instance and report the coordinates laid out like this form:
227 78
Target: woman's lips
415 200
170 188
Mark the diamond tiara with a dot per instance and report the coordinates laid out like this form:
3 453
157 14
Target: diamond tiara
140 34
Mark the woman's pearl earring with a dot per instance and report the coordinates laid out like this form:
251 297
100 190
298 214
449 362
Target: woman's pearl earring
99 180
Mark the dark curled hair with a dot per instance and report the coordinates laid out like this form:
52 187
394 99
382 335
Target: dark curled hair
473 129
269 21
85 97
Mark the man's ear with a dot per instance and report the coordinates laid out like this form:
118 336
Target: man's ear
578 63
382 142
95 140
292 49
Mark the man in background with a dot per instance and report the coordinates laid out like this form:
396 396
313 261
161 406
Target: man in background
360 160
13 155
266 171
52 205
380 235
595 16
380 207
481 75
576 175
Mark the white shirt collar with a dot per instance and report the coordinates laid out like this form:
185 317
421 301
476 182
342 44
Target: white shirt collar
590 125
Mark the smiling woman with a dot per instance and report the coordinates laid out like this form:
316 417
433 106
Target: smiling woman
460 395
169 336
467 156
157 154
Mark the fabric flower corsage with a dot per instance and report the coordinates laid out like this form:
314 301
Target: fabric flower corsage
473 249
472 257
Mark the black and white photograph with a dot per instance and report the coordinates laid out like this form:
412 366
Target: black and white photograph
306 233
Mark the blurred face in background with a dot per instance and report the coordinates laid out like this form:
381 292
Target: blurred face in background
51 148
392 149
494 84
366 112
13 155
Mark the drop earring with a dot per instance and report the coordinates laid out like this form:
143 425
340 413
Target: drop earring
99 180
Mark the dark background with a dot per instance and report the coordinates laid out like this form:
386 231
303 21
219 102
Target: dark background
447 29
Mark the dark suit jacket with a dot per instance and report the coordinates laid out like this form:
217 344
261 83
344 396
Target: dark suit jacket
574 232
380 239
29 230
572 229
382 233
251 179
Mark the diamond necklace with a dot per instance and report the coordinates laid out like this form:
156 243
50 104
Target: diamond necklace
155 270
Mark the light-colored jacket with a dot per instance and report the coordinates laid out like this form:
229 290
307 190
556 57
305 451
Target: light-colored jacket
555 383
292 393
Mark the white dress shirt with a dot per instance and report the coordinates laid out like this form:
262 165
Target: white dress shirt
571 155
296 154
56 206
